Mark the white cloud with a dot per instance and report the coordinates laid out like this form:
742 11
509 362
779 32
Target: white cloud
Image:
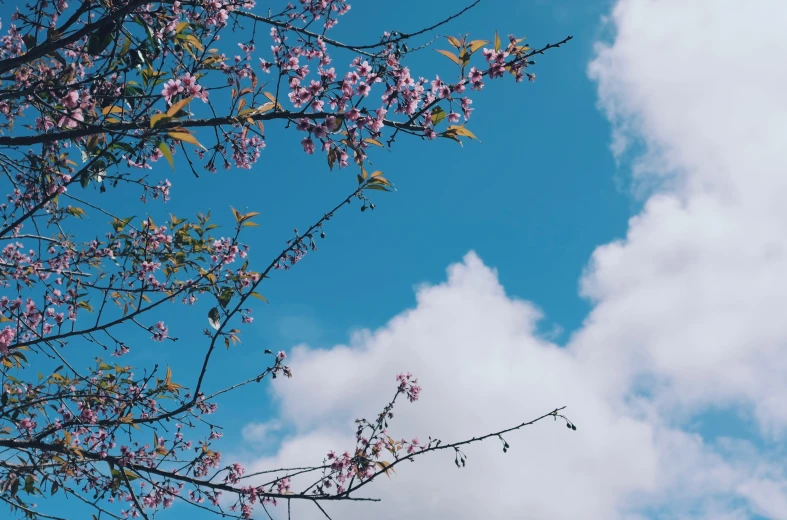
696 287
260 432
687 317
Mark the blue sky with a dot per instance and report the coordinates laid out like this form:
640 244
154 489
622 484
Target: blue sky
662 333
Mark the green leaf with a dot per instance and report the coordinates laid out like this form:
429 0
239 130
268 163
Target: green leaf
497 41
100 40
438 114
120 224
225 297
129 474
122 146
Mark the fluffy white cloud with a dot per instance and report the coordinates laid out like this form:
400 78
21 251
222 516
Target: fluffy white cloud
687 312
696 288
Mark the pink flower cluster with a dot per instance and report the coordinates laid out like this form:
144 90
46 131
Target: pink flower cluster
160 332
6 337
409 385
224 251
185 85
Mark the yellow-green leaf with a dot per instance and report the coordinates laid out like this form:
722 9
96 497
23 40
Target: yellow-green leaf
190 39
77 212
250 214
174 109
186 137
453 41
380 180
497 41
158 118
438 114
167 153
114 109
476 44
461 130
451 56
258 295
385 466
264 108
271 97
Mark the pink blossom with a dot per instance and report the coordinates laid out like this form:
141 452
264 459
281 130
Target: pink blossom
72 119
171 88
320 131
160 332
71 100
6 337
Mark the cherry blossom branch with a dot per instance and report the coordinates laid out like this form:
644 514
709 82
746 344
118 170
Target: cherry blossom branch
295 243
86 130
356 48
133 495
54 44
